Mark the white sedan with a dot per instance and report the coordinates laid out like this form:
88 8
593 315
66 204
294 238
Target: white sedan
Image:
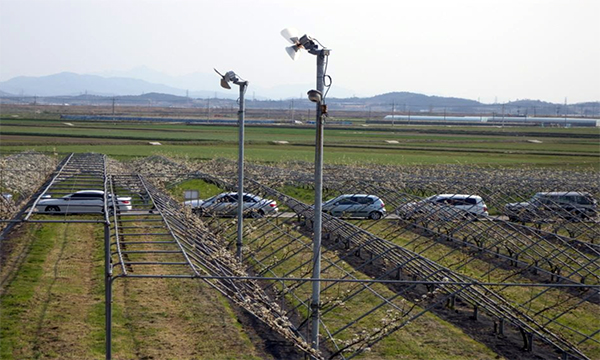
84 201
226 204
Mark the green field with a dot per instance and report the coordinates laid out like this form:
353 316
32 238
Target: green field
551 147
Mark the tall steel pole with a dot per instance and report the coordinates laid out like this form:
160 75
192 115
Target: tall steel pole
240 209
318 216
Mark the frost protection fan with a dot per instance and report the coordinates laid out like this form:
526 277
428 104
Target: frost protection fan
224 79
291 35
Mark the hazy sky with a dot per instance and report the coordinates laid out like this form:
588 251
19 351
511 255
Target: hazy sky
509 49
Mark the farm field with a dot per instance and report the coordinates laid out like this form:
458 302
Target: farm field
47 312
399 145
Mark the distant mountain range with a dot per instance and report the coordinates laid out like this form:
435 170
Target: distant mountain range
143 80
71 84
146 87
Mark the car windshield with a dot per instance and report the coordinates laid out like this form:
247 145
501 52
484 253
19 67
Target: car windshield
332 200
82 194
585 200
210 198
251 198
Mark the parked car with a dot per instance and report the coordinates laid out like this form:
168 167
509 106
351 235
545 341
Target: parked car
445 207
225 204
83 201
356 205
570 205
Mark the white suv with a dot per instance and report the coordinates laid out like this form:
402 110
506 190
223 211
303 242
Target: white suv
445 206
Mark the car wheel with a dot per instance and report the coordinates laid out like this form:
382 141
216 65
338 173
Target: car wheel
111 211
52 209
257 214
470 216
577 216
375 215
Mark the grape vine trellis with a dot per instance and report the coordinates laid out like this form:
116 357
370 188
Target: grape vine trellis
402 269
275 259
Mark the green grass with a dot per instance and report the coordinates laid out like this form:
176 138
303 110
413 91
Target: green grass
55 303
15 302
204 188
305 195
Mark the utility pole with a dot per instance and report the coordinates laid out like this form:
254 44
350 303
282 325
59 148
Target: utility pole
565 111
292 111
208 109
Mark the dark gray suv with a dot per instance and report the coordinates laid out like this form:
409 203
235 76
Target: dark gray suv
569 205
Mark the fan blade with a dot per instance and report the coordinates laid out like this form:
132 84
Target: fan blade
217 71
290 34
293 51
225 84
